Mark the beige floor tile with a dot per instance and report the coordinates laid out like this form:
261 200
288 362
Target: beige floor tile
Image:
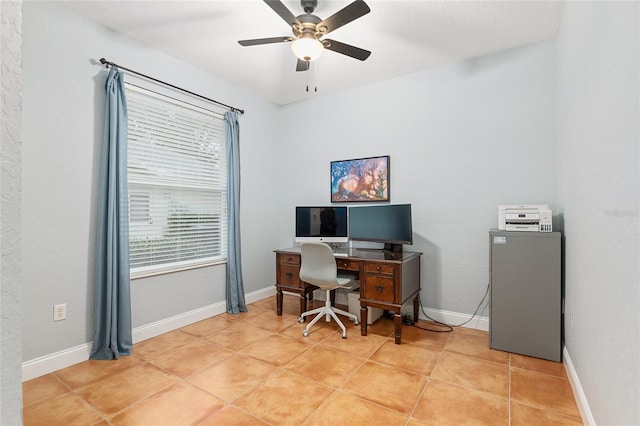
276 349
475 345
232 377
473 373
326 366
447 404
246 316
407 357
421 337
269 303
162 344
317 333
523 415
232 416
543 391
284 399
344 408
471 332
417 422
354 344
179 404
540 365
270 321
238 336
66 409
114 393
386 386
260 361
87 372
42 388
209 326
191 357
382 327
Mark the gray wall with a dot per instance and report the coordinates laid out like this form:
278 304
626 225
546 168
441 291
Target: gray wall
598 133
62 128
462 138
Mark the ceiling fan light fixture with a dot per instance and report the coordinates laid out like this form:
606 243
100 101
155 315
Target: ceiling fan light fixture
307 48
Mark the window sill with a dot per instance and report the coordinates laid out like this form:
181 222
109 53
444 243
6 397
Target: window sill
174 269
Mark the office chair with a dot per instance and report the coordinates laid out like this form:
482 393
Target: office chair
319 268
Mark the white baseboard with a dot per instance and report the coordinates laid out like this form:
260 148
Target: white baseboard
578 392
49 363
456 318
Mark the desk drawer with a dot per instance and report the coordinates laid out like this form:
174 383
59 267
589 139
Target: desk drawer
291 259
379 288
289 275
379 268
348 265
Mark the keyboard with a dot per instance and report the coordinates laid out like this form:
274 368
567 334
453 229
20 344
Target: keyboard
340 254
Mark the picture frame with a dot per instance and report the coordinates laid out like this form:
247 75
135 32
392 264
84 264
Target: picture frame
361 180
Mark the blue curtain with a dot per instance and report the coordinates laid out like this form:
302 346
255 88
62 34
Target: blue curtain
112 288
235 288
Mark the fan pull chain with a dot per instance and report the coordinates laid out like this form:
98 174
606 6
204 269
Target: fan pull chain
312 76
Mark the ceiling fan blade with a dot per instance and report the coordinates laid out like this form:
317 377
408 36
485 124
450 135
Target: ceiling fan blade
302 65
279 8
342 17
257 41
346 49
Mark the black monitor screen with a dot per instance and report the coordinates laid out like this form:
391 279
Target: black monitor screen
327 224
385 224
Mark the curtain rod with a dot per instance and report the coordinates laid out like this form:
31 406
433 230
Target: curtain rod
112 64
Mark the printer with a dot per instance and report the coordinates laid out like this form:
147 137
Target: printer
525 217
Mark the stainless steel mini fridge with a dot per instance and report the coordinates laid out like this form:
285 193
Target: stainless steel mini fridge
526 293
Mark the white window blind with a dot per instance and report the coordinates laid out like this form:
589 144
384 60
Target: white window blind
177 177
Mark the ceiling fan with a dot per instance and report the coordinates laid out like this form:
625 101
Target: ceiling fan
308 30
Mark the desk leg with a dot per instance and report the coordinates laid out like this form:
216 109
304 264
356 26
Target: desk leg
363 320
397 323
278 301
303 302
416 308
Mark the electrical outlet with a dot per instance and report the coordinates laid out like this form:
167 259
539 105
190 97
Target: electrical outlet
60 312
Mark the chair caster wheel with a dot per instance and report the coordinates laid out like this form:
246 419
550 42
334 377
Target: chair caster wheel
305 333
301 320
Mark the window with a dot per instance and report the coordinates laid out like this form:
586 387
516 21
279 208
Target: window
177 176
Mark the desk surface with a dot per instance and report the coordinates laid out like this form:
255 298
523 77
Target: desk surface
364 254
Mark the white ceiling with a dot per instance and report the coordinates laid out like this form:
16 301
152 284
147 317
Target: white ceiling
404 36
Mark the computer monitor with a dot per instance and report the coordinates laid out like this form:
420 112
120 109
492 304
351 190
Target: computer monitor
388 224
326 224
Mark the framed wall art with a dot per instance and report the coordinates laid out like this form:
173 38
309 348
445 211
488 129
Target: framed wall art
360 180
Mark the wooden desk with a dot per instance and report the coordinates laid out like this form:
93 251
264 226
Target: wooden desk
387 281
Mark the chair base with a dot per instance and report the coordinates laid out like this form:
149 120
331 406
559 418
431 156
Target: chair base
328 312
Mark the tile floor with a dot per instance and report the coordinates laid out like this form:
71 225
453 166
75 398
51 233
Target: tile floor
256 369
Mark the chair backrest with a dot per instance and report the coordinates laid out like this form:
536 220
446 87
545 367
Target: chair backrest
318 264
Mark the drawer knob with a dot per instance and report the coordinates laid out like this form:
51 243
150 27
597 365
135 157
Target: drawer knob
379 268
289 275
378 289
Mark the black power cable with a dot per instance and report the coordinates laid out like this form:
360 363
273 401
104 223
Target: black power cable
449 327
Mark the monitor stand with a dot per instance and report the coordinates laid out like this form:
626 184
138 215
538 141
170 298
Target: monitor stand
396 248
